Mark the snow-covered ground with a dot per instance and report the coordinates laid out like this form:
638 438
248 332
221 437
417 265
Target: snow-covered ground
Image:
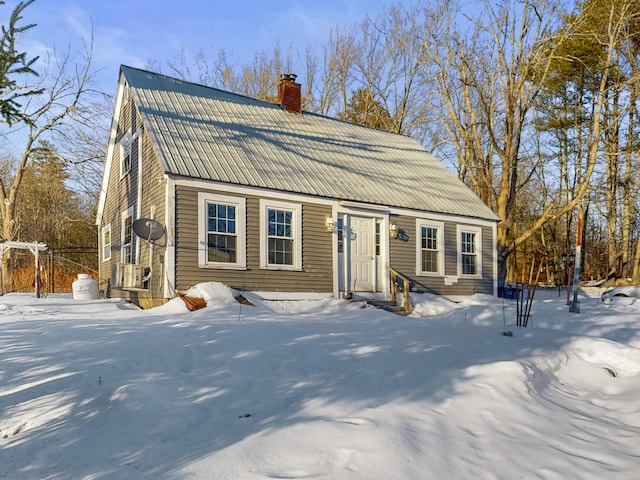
325 389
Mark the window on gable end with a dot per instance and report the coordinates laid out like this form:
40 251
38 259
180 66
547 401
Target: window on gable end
126 249
106 242
129 151
126 143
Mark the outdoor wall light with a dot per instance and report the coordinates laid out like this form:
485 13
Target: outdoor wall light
329 224
393 230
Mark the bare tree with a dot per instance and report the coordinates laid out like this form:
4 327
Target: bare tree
490 79
65 85
392 56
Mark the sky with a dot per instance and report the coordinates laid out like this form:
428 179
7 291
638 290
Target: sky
98 389
133 32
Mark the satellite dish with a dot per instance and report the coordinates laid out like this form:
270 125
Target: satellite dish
148 228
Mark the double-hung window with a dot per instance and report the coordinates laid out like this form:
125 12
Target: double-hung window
106 242
126 144
221 231
469 251
281 235
430 254
129 147
126 250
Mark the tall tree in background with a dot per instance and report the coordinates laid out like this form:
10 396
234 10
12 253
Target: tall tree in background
490 80
64 86
258 79
599 70
365 110
48 205
331 80
392 55
13 65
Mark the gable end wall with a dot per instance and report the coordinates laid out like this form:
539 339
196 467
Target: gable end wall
124 192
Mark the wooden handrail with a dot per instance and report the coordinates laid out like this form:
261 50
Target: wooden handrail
406 285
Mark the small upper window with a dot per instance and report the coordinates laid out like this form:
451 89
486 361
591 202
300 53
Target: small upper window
125 154
128 150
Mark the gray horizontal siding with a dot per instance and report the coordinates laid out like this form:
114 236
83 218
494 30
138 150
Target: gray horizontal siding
122 193
403 260
316 274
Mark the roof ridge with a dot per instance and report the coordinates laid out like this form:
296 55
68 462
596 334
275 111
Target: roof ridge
198 84
236 139
254 99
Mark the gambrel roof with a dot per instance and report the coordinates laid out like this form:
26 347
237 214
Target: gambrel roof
205 133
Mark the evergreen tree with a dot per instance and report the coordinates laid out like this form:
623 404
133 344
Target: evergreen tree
364 109
12 64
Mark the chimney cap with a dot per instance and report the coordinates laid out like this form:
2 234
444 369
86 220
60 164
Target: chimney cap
288 76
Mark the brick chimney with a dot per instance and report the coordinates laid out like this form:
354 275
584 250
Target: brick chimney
289 93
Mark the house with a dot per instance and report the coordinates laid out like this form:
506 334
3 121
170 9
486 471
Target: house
284 203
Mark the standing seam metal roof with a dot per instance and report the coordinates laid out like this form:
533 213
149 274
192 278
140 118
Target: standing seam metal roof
206 133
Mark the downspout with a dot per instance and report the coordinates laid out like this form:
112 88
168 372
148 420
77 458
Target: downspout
170 251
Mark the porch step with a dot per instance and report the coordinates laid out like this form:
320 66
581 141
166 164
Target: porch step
387 305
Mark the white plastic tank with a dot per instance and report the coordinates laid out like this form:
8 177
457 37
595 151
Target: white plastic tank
85 288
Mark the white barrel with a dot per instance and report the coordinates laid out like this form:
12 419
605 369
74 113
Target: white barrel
85 288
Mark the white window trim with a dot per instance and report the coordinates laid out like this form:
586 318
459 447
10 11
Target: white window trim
241 243
128 137
106 228
127 213
441 254
478 232
265 205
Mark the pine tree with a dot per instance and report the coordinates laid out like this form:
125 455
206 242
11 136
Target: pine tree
12 64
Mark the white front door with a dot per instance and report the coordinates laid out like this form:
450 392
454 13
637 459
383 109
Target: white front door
361 236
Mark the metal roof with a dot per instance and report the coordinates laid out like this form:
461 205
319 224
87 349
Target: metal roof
206 133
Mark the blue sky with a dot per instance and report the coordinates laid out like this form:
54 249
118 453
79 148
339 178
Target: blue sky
133 32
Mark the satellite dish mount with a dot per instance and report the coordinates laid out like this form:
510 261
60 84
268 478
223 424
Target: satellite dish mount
148 229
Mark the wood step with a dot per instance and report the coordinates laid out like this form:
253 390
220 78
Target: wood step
387 305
